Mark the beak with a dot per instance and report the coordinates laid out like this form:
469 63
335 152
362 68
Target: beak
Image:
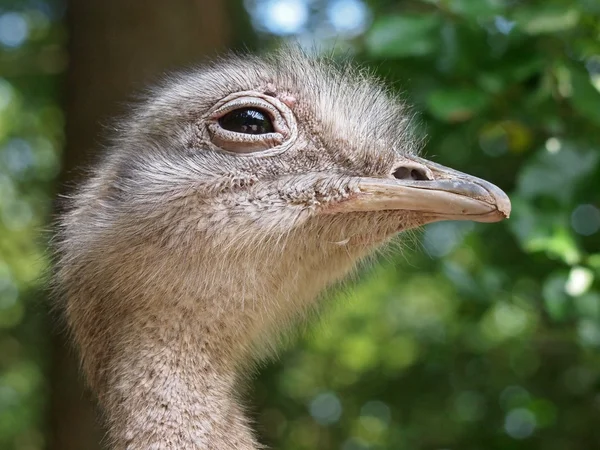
432 190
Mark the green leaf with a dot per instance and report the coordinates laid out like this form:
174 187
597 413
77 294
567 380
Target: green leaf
588 305
585 98
589 332
544 410
594 262
456 105
547 232
548 19
404 36
476 9
557 172
556 299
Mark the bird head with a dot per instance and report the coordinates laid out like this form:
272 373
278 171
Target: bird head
250 149
252 181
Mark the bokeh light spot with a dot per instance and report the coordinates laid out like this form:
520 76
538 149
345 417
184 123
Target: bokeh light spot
494 140
326 408
282 17
6 94
579 281
8 397
504 321
585 220
443 237
13 29
348 17
553 145
16 214
503 25
17 155
8 294
520 423
377 409
589 332
355 444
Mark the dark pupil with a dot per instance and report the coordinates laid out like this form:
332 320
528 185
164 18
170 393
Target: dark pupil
248 121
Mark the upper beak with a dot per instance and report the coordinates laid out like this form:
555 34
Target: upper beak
434 191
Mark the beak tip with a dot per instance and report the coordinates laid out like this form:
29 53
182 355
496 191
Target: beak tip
503 209
497 198
504 206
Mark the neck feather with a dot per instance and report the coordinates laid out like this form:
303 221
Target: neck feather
163 357
169 389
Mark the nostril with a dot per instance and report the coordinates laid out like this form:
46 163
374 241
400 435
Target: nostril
410 173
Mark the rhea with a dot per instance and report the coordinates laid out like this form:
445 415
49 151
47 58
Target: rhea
231 197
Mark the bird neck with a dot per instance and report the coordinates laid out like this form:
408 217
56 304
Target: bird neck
168 389
164 357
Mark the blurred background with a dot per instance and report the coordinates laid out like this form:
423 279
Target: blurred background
473 337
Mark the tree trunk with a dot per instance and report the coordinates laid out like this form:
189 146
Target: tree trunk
116 48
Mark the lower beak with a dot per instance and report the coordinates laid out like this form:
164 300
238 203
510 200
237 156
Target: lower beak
439 193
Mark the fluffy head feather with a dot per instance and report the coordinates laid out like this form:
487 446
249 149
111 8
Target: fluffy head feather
170 210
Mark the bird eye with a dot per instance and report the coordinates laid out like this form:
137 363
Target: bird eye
250 122
247 121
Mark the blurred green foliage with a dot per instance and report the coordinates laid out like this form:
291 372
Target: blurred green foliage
478 336
470 337
31 138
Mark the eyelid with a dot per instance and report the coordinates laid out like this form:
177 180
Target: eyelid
243 102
